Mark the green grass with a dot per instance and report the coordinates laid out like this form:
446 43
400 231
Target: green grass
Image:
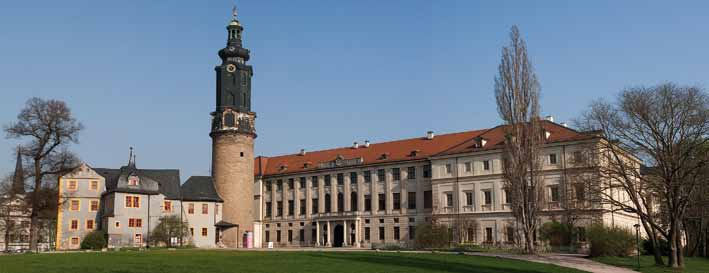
194 261
647 264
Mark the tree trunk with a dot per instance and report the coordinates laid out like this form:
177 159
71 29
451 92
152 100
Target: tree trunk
680 249
34 218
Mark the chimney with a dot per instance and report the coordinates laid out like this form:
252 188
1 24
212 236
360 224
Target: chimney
549 118
355 145
547 134
302 152
366 144
430 135
564 124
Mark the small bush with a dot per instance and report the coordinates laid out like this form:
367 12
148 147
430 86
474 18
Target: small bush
610 241
432 236
94 240
664 247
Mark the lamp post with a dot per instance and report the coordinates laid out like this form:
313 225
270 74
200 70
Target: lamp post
637 241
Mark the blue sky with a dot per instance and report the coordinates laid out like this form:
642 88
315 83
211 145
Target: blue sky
326 73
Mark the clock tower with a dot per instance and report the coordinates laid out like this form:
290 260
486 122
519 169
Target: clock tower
233 135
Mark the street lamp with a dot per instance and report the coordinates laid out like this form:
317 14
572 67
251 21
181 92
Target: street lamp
637 241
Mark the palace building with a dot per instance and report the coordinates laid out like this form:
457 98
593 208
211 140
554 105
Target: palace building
363 195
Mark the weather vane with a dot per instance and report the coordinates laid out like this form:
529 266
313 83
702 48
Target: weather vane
233 12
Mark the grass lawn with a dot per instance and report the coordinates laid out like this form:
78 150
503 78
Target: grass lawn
647 264
193 261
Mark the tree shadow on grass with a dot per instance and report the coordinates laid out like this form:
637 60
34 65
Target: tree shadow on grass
428 264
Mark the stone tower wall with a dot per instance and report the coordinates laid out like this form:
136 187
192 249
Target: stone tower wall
233 173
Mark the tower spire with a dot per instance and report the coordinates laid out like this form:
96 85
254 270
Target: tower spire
131 158
18 181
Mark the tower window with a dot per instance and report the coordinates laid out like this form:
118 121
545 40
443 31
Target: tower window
229 119
242 154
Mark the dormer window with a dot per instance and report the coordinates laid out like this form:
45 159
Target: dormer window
384 156
307 165
284 167
133 180
479 142
414 153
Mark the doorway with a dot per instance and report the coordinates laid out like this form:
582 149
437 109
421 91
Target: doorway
339 237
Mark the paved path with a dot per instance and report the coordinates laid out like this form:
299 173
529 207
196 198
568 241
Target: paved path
571 261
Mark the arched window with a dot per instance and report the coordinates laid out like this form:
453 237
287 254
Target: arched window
353 201
327 203
340 202
229 119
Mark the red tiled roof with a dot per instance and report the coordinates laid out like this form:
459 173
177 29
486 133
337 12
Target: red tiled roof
401 150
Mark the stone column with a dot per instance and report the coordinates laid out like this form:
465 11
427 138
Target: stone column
360 192
387 191
308 197
317 233
284 198
347 187
345 233
321 195
334 190
273 201
374 194
329 233
296 198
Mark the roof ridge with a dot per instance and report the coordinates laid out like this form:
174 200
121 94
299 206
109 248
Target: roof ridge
466 141
385 142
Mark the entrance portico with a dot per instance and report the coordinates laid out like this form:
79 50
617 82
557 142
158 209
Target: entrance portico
338 232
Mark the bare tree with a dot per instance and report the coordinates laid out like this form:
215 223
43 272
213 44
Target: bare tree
517 93
665 127
49 127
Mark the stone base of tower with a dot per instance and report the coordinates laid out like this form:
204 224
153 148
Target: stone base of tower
233 173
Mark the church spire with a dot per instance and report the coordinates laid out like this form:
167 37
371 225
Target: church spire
18 181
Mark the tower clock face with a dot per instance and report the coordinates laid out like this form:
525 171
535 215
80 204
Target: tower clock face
230 68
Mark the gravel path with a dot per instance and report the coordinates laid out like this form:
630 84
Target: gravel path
571 261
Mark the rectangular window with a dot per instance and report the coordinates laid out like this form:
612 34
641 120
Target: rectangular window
291 207
411 198
487 196
469 198
74 205
353 178
366 233
269 185
554 192
94 185
381 175
367 202
118 224
510 232
427 199
340 179
167 206
581 231
367 176
580 191
268 209
279 184
192 232
205 208
290 236
94 205
411 173
204 232
552 159
138 239
301 235
278 236
449 199
381 233
301 183
448 168
302 207
508 196
328 180
132 201
216 209
75 241
468 167
74 225
279 208
396 198
488 235
72 185
382 201
427 171
268 236
396 233
135 222
190 208
314 204
314 181
412 232
396 174
290 183
486 165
